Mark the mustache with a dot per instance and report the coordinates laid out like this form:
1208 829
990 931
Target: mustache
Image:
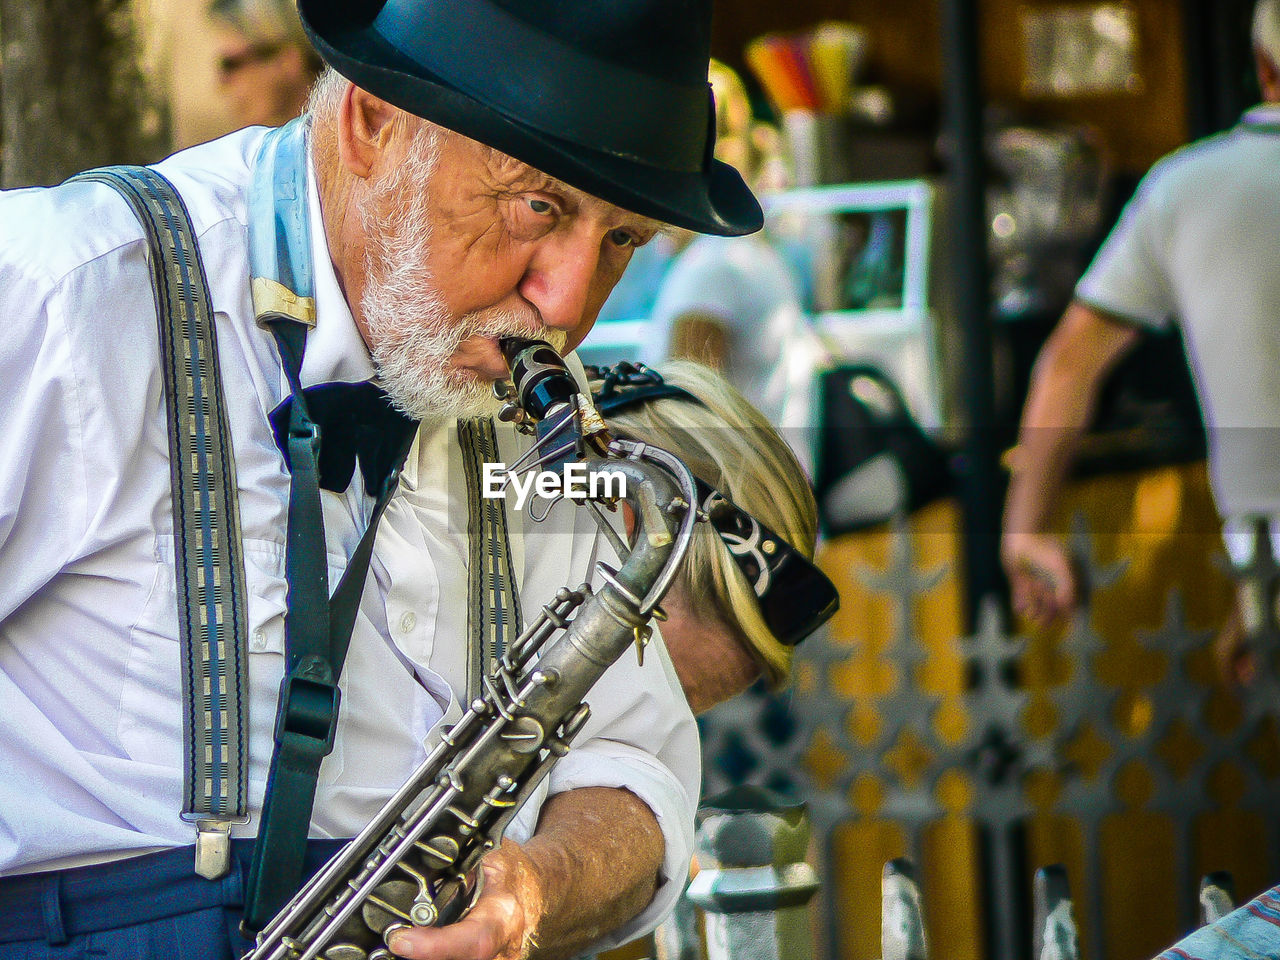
506 324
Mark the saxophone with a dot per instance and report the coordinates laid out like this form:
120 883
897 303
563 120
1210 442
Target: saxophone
417 862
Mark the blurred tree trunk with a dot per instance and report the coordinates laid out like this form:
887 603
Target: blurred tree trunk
72 93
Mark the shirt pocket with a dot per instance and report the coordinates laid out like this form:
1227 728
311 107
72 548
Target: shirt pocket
151 710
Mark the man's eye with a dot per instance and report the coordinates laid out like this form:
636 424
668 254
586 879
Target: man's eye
541 207
624 238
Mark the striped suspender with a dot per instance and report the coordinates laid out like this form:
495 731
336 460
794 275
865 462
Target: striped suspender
208 552
206 521
493 607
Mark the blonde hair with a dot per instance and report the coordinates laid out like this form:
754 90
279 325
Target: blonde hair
753 148
729 444
1266 29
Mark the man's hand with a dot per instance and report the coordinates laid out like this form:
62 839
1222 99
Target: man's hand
503 925
1237 667
591 865
1042 576
1068 376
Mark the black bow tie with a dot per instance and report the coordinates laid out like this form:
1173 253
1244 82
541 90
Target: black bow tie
355 420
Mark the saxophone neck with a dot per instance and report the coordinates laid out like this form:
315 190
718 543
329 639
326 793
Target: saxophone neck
661 493
658 486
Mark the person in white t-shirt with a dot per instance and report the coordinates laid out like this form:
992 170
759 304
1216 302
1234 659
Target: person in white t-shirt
1198 246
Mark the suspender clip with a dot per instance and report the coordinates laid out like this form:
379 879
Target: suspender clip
213 848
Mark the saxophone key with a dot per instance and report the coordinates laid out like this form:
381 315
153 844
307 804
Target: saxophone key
546 678
642 635
389 905
468 825
573 726
346 951
524 735
440 851
424 914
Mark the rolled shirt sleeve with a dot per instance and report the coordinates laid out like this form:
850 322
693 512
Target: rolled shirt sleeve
617 765
641 737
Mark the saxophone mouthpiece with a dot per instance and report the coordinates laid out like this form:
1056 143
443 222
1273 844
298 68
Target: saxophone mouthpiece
512 347
541 378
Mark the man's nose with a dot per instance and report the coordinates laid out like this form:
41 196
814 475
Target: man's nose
561 278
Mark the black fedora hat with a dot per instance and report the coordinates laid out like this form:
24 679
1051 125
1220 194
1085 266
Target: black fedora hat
609 96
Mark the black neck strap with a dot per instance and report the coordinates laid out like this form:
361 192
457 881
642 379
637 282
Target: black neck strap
317 634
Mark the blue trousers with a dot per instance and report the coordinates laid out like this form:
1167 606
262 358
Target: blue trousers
152 907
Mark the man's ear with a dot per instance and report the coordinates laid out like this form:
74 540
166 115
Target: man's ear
365 124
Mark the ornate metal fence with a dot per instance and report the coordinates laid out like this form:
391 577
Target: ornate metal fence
1108 747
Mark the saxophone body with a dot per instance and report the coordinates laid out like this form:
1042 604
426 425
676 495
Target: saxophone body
417 862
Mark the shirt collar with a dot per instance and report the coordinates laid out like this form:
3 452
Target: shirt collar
335 349
1264 118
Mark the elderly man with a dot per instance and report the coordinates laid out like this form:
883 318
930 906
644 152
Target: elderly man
473 168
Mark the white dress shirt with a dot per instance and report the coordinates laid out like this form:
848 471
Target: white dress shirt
90 688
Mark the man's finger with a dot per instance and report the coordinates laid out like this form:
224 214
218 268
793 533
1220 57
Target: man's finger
468 939
1040 596
1026 603
497 928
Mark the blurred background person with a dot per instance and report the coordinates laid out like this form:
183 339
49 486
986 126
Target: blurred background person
265 64
1198 245
737 306
740 141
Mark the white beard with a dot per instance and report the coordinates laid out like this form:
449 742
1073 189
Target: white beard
412 334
